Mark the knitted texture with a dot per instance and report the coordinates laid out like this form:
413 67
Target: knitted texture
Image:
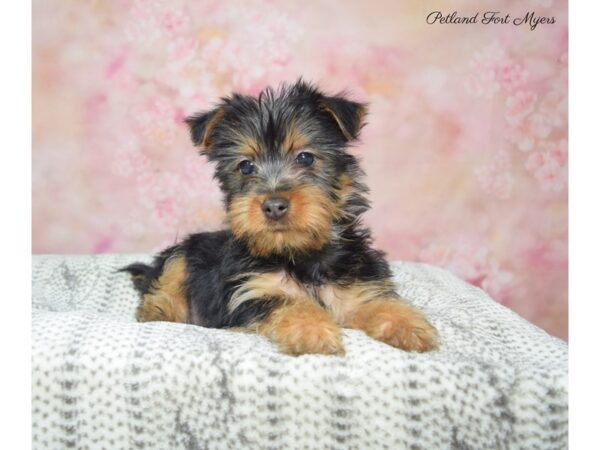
102 380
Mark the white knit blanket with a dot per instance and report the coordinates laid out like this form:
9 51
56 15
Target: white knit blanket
101 380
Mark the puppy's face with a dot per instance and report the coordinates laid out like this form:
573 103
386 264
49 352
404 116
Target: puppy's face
282 164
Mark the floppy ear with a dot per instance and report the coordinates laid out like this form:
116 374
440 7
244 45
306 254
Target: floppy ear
202 126
348 115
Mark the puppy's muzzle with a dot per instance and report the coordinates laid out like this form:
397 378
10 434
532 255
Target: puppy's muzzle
275 208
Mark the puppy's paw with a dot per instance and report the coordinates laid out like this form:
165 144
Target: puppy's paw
397 324
304 328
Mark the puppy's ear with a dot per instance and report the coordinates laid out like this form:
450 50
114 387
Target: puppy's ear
348 115
202 127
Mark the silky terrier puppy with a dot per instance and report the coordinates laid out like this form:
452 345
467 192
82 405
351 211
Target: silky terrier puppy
296 264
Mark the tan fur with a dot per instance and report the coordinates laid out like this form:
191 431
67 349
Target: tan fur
206 139
294 140
297 324
345 192
261 285
361 114
342 301
307 225
395 323
369 306
302 327
248 146
166 300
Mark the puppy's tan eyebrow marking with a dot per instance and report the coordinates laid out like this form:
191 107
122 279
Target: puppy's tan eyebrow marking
294 140
248 146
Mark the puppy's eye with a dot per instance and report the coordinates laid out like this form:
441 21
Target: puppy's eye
246 167
305 158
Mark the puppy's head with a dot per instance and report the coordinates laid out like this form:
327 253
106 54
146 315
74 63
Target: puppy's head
282 164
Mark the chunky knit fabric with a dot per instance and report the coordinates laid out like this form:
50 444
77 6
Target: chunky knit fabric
101 380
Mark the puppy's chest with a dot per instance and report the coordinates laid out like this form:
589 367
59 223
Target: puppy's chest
338 299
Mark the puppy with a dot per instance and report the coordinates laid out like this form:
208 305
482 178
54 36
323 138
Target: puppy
296 264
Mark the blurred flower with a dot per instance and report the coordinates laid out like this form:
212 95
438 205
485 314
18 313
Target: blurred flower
128 159
174 22
470 259
510 74
554 107
518 106
157 119
491 69
558 151
247 50
549 167
540 125
496 178
535 127
144 20
497 282
181 50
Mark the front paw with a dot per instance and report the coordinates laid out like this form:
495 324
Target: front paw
397 324
304 328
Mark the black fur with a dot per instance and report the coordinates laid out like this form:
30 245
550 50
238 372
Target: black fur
215 259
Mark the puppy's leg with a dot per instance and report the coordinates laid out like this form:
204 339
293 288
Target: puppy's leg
166 299
295 322
375 308
301 326
396 323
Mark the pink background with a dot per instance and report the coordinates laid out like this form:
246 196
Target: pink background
465 151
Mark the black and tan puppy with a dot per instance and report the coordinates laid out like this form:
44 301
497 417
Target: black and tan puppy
296 264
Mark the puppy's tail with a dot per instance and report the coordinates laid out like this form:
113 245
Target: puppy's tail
141 275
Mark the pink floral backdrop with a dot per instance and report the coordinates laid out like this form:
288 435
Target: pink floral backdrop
465 150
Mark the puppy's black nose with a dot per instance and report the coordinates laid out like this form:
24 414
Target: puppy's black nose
275 208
